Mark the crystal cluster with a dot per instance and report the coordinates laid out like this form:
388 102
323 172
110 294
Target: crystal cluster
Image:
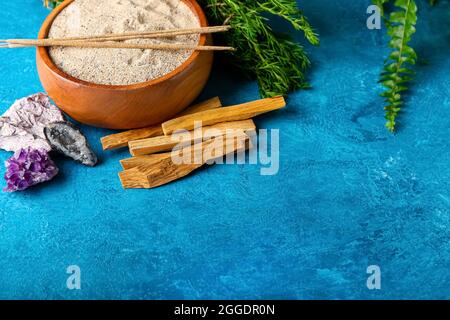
27 168
32 127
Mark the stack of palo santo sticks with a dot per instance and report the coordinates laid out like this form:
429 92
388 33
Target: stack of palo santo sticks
117 40
155 149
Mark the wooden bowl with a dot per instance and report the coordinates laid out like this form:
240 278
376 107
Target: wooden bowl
126 106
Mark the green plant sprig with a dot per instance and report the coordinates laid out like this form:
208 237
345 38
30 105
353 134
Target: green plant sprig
275 60
52 4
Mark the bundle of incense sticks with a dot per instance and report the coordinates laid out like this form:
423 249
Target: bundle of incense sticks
175 148
115 40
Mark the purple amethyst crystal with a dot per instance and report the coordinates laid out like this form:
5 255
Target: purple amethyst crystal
28 167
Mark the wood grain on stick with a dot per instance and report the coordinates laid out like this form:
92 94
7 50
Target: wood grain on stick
157 157
121 139
144 160
160 170
165 143
234 113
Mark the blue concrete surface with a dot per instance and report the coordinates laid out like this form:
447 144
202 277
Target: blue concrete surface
348 194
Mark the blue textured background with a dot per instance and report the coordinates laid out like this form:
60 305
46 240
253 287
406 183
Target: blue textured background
348 193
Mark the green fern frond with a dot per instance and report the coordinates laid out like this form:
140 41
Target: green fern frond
397 72
380 4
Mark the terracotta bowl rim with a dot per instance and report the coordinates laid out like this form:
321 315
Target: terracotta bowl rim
45 57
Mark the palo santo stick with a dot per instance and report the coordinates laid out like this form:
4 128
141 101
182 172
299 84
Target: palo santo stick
159 172
134 162
158 176
119 140
210 104
174 172
234 113
165 143
147 163
147 160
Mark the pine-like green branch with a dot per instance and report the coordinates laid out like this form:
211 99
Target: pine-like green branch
275 60
52 3
289 11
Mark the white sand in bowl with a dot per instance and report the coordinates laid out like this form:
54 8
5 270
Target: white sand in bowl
121 66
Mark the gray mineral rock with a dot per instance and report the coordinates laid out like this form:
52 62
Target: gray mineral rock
65 138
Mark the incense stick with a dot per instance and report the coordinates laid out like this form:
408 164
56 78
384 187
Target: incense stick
151 34
15 43
107 41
